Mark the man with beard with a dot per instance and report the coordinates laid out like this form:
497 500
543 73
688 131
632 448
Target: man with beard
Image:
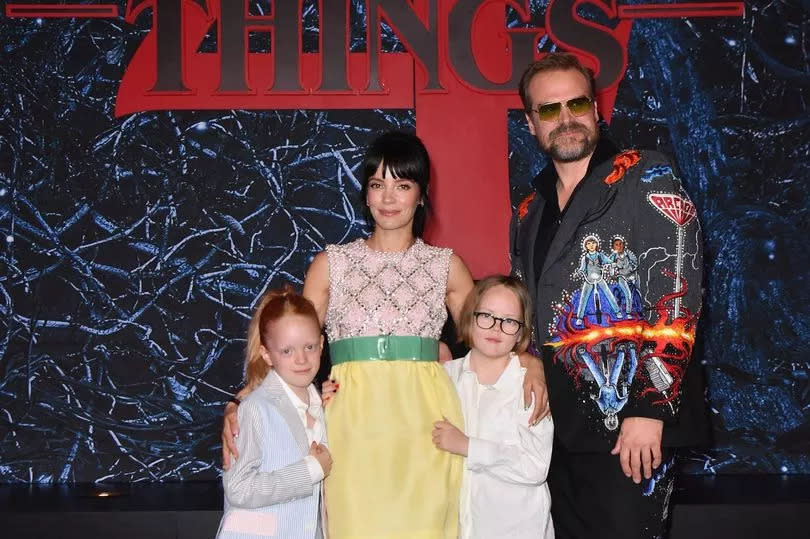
620 391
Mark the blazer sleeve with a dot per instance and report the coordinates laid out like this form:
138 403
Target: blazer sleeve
245 485
669 253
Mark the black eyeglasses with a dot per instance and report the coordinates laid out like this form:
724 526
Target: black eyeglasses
509 326
578 106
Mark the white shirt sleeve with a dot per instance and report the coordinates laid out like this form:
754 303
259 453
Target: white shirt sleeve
245 485
523 463
314 467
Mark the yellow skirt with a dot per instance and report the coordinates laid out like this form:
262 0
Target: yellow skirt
388 480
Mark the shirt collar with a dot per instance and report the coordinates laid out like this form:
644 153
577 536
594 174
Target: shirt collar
512 370
301 406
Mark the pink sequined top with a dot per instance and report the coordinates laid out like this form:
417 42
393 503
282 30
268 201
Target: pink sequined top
378 293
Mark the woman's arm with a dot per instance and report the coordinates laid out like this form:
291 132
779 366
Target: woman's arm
459 284
230 429
316 284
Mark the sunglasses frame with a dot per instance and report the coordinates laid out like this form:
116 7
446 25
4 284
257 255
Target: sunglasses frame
567 104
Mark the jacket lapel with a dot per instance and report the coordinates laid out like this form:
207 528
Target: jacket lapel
276 392
589 202
527 237
584 207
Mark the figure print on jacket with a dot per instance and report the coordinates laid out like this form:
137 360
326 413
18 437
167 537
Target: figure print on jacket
623 327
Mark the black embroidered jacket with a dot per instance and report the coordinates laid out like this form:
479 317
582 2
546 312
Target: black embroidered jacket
617 298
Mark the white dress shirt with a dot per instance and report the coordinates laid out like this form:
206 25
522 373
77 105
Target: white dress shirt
317 432
504 491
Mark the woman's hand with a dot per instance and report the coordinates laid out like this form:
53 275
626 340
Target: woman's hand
328 391
534 383
230 430
448 437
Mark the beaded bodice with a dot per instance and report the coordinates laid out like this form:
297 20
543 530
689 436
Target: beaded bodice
378 293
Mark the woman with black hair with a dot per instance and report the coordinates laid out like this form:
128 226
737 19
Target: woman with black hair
383 301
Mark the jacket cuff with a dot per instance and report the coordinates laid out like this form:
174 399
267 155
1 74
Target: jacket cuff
644 407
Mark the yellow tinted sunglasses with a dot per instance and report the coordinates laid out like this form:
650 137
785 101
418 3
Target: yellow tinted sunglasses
578 106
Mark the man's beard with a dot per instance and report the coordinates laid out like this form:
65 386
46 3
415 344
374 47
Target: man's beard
571 152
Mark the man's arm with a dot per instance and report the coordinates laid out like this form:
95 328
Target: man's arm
669 246
534 383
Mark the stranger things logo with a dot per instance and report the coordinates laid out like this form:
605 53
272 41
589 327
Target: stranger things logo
466 40
459 75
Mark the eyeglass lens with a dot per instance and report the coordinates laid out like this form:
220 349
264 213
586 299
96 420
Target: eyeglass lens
508 325
578 106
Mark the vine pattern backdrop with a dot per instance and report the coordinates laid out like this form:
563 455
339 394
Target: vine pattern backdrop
135 248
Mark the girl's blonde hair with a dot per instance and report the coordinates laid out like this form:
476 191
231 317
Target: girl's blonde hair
471 304
273 305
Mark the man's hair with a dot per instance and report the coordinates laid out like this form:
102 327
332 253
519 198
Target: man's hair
553 61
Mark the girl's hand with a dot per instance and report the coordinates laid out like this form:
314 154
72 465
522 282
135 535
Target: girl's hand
323 456
328 391
447 437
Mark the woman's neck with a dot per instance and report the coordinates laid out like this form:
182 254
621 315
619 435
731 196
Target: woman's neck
487 369
390 241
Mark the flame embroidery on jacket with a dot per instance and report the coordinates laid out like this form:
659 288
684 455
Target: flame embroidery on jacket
621 163
523 207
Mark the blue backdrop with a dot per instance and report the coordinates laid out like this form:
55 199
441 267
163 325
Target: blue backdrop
134 248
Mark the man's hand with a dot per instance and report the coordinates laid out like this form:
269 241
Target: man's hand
230 430
323 456
448 438
535 383
639 446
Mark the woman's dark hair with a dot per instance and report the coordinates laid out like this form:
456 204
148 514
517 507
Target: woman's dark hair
406 157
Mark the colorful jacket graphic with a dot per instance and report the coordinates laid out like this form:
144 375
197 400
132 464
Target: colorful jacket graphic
618 297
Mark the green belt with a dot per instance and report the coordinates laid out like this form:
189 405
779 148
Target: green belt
384 348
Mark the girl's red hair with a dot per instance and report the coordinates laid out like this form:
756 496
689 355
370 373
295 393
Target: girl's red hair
273 305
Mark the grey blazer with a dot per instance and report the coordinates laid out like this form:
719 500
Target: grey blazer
269 491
